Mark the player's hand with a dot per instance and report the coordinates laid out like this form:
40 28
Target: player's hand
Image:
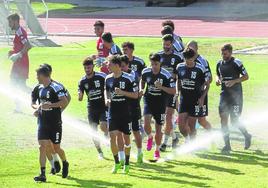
108 103
15 57
158 85
230 83
141 93
218 82
36 113
10 53
46 106
118 91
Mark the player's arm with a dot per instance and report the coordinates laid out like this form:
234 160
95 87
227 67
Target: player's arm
132 93
244 76
218 77
178 87
142 86
80 91
169 88
60 104
26 47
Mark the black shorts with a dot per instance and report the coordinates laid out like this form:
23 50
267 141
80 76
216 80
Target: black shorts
96 116
135 118
231 105
203 111
189 106
172 101
157 111
51 132
120 124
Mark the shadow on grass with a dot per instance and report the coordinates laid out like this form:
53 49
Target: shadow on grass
147 169
256 158
96 183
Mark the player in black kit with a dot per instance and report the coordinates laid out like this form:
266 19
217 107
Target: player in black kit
169 61
202 120
192 87
159 83
120 87
230 74
50 98
135 109
93 85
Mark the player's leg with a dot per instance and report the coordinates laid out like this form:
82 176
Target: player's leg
138 138
49 151
159 118
202 120
147 125
125 129
224 111
168 127
55 137
43 144
148 130
121 148
93 119
183 125
191 123
113 132
234 116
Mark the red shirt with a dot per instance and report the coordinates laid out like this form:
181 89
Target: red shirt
102 51
20 68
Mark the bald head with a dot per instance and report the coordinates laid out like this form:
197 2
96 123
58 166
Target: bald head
193 45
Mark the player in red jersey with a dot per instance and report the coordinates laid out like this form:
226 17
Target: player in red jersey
19 55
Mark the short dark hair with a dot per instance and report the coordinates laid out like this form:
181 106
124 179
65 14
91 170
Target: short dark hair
228 47
14 17
107 37
48 66
168 37
124 58
188 53
129 45
115 59
88 61
168 23
99 23
154 57
43 70
167 30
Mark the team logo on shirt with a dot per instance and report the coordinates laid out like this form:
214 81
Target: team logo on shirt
48 95
172 61
182 72
161 60
86 86
148 80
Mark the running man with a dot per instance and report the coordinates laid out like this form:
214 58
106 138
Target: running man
177 44
93 85
204 110
159 83
192 87
135 109
50 99
169 61
230 74
120 87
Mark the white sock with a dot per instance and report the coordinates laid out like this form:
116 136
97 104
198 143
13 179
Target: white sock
52 163
166 137
55 157
121 155
157 147
139 151
173 134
